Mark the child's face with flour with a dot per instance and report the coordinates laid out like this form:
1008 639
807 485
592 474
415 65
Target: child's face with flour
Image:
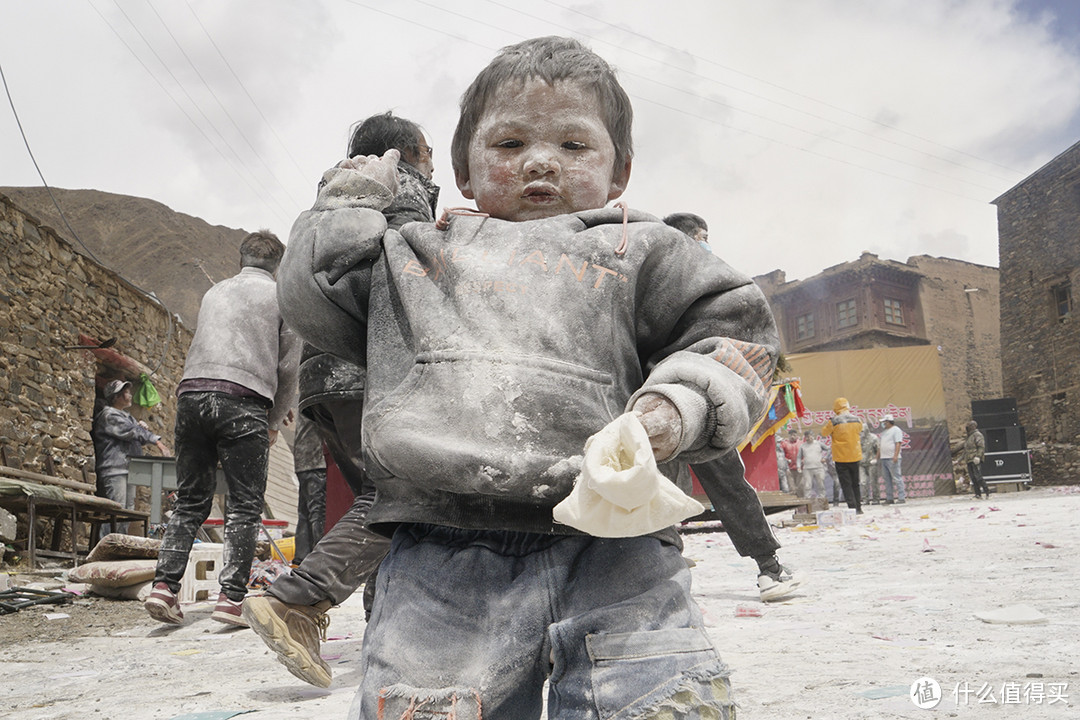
541 150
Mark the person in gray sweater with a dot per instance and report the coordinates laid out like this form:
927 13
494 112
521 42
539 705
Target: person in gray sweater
118 436
239 384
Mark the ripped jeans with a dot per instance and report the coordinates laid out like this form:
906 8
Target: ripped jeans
470 623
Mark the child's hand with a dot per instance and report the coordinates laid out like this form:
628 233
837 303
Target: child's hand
661 421
381 169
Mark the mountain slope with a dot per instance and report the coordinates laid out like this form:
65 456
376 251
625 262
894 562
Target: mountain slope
156 248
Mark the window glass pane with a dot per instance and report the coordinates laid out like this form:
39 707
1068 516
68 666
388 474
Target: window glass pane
894 312
845 314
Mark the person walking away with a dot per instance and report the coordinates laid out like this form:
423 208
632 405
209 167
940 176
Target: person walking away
974 453
811 464
117 436
844 429
889 442
239 384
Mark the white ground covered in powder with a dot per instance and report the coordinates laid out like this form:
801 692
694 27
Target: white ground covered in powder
876 613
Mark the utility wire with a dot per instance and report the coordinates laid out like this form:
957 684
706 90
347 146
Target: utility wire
221 105
244 88
63 218
654 102
268 196
781 87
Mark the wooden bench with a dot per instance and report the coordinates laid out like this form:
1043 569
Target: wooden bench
65 507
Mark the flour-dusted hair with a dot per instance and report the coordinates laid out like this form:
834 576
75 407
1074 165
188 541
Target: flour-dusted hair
261 249
548 59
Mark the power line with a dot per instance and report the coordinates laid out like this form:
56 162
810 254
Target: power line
264 190
63 219
787 90
244 88
221 105
672 108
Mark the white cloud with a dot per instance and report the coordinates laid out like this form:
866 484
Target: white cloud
805 132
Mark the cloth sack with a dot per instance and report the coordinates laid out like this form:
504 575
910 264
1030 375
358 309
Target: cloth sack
620 492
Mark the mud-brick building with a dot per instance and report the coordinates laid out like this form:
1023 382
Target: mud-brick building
875 303
1039 248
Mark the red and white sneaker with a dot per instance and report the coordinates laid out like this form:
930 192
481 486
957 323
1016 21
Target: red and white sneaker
229 611
163 605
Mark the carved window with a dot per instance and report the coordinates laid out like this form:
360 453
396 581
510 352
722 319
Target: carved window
1062 300
846 315
894 311
804 326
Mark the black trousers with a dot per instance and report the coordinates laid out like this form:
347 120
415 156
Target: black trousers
977 482
349 553
214 427
848 475
310 511
737 505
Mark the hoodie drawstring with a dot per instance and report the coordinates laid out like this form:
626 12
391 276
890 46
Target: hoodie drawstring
621 250
444 221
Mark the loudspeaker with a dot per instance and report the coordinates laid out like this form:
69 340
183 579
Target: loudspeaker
996 420
1007 466
1005 439
989 407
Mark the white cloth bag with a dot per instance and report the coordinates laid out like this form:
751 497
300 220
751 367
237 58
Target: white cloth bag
620 492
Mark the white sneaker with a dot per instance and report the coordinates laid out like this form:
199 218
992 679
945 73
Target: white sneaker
778 586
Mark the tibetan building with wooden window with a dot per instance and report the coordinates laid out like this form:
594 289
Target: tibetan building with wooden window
872 303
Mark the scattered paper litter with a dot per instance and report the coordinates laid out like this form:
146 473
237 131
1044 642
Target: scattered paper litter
885 692
1012 615
747 611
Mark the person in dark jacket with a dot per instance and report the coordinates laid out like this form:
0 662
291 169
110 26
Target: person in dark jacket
734 500
496 344
974 452
291 616
118 436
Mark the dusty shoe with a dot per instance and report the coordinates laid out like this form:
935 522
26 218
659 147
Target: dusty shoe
163 605
228 611
293 632
776 585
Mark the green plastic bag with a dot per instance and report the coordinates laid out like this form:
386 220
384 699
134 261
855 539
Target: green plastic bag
147 395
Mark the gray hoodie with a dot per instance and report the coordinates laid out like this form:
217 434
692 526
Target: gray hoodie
495 349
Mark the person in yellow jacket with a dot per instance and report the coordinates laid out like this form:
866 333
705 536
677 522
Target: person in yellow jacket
844 429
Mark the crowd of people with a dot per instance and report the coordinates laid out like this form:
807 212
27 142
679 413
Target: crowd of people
847 462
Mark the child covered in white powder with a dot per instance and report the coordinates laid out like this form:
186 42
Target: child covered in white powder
496 344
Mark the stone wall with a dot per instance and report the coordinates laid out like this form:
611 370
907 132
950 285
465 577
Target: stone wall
1039 249
49 293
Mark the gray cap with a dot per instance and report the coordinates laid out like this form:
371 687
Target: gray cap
114 388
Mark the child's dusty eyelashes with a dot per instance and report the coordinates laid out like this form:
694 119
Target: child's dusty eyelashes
574 145
509 144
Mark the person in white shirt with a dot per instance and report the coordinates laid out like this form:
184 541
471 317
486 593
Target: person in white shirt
811 464
889 443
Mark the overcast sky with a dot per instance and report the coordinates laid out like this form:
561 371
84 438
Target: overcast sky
804 131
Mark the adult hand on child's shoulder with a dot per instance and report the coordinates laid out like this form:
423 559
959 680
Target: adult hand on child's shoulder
662 423
382 169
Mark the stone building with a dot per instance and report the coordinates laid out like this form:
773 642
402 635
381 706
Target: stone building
50 295
875 303
1039 248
